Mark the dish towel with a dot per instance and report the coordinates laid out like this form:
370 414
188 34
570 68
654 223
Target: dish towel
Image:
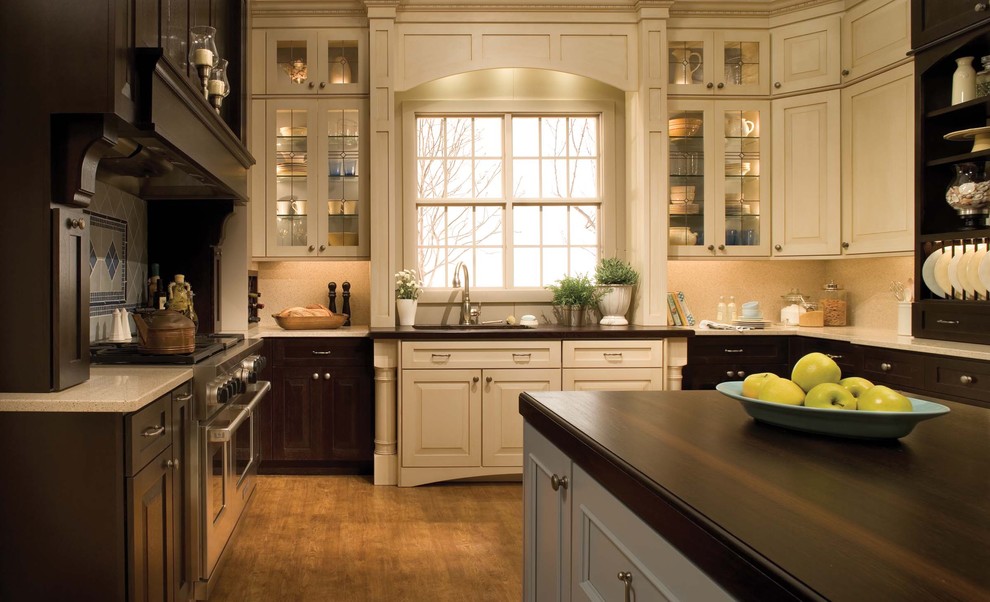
710 325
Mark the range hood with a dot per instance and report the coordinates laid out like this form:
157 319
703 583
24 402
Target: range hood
175 146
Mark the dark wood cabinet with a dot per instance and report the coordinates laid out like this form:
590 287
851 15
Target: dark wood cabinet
935 19
321 407
849 357
715 359
151 525
958 379
900 370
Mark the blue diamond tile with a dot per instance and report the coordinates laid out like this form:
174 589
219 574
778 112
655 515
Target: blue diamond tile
112 260
92 257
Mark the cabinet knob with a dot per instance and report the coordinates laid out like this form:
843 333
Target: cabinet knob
730 373
326 376
845 72
172 463
323 85
475 379
488 379
323 247
312 85
885 367
711 248
741 374
710 85
966 379
316 376
845 245
778 248
557 483
776 85
73 224
980 7
721 247
720 85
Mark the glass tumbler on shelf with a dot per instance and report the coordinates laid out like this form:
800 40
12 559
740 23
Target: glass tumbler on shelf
969 193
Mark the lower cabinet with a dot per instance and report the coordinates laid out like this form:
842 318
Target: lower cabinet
320 418
719 358
582 543
609 365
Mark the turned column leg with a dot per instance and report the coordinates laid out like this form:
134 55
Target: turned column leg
675 359
386 414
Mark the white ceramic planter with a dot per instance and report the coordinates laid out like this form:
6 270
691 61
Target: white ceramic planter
406 308
614 304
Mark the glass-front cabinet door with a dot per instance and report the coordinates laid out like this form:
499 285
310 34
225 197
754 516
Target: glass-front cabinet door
316 184
720 62
309 61
718 186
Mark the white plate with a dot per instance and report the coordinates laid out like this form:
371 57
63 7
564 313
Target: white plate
942 271
928 274
984 271
953 271
973 270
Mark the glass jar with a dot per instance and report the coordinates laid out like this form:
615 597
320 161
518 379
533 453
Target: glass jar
969 191
794 305
833 305
983 77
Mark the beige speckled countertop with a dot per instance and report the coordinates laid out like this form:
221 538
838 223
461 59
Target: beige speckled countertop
110 388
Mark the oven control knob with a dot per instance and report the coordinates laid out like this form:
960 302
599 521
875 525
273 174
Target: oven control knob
231 385
222 394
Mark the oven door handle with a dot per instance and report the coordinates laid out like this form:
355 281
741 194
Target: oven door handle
223 435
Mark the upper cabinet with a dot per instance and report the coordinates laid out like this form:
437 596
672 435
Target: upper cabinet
935 19
875 34
805 55
310 61
722 62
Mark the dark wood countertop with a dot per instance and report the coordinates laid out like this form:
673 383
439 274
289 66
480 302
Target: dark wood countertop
543 331
776 514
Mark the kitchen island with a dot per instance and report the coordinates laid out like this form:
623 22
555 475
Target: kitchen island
763 512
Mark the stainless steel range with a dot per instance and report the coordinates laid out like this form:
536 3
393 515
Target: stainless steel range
224 444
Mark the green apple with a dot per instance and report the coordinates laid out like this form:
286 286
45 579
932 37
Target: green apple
781 390
830 396
754 382
856 384
884 399
814 369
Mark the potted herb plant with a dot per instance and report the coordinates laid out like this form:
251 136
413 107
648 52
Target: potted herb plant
572 296
616 279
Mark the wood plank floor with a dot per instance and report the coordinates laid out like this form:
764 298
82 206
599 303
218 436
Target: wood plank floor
331 538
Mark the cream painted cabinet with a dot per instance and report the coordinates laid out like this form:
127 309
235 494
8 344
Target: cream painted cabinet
315 187
546 520
875 35
806 178
502 432
609 365
719 184
720 62
311 61
805 55
878 163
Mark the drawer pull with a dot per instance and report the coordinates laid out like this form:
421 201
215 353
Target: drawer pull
610 354
439 356
885 367
949 322
522 355
153 431
558 482
966 379
626 578
733 350
185 397
322 352
833 356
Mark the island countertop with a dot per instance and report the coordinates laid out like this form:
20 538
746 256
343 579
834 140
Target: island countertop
772 513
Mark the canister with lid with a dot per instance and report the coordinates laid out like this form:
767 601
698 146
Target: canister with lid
794 306
834 305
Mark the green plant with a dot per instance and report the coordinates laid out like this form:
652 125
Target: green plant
575 290
612 270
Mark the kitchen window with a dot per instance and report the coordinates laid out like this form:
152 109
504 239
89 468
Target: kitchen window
520 197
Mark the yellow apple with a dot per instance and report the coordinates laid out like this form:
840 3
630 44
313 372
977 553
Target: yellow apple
884 399
814 369
856 384
781 390
754 382
830 396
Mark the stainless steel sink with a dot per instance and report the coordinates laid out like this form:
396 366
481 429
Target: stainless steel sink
469 326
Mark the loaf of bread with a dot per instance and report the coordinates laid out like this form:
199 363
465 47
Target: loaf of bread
309 311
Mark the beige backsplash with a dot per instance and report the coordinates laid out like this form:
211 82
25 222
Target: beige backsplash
867 281
297 283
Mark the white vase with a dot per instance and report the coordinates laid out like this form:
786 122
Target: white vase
963 80
614 304
406 308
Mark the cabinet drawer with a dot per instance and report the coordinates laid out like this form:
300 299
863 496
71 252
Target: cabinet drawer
612 379
480 354
737 349
892 368
706 377
609 540
322 351
953 321
147 431
612 354
967 379
848 356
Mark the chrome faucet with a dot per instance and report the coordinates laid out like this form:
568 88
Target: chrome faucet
469 315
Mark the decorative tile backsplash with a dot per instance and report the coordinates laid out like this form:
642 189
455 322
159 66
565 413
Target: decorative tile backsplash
107 263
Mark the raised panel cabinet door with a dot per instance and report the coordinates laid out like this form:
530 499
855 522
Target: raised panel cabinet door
297 414
150 542
612 379
875 34
441 418
502 424
347 415
182 513
805 55
70 288
933 19
806 183
878 163
546 520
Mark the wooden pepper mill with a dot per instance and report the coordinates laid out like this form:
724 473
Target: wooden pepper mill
346 307
333 296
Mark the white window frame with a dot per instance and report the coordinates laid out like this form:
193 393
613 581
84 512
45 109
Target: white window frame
609 138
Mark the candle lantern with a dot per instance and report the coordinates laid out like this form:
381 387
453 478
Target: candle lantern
203 53
218 86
